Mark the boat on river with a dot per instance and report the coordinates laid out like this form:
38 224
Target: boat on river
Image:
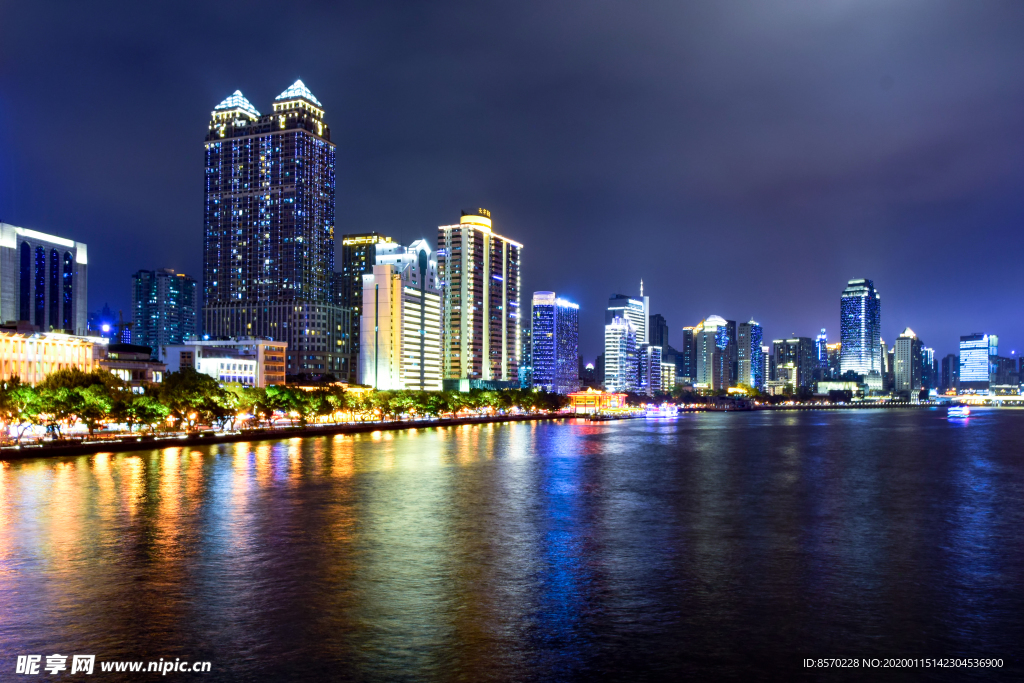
958 411
662 411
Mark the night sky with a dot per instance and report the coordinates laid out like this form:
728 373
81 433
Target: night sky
743 158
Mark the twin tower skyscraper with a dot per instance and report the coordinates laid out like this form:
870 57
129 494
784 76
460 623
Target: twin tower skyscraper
268 265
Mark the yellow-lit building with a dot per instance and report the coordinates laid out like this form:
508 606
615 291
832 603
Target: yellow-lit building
596 401
33 356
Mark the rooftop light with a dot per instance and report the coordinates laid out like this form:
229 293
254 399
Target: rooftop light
237 101
296 90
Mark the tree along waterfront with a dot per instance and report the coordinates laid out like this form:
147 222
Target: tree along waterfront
190 401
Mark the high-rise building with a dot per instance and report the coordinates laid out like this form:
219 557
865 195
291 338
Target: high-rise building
929 368
43 280
400 333
799 355
714 349
976 351
748 353
860 329
633 309
165 308
620 355
950 373
821 350
556 343
908 364
766 366
480 271
686 361
658 330
649 368
526 358
834 352
358 256
668 377
268 259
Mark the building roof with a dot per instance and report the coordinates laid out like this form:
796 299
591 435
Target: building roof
237 101
297 90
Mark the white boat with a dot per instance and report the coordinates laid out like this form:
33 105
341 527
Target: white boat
958 411
664 410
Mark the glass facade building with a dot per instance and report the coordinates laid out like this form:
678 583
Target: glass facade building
268 263
748 352
620 355
358 256
860 329
165 308
555 340
976 354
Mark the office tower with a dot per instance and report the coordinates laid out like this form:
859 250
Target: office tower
269 230
950 373
1003 373
748 353
821 350
165 308
480 270
799 356
649 368
766 366
632 309
358 256
556 343
658 330
599 370
908 364
668 377
976 351
620 355
834 352
714 350
686 361
400 333
43 280
860 329
929 371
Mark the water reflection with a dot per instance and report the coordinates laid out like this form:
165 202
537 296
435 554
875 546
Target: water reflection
714 545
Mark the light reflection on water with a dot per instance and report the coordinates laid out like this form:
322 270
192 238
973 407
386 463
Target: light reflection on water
714 545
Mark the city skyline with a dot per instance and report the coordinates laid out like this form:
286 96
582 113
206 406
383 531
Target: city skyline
885 153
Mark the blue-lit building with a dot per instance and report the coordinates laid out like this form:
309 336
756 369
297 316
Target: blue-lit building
555 338
860 329
821 349
748 352
977 352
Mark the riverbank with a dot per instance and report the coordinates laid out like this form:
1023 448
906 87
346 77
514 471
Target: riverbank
71 447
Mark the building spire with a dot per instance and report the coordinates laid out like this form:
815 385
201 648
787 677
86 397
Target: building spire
641 286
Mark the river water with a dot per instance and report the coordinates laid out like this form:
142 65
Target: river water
716 546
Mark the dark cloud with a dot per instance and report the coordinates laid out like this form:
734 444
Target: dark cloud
743 158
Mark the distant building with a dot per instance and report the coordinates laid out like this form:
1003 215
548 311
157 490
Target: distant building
633 309
798 355
766 366
834 352
400 333
165 308
526 358
748 353
686 361
909 364
949 373
860 329
480 272
658 335
821 351
1003 372
668 377
929 368
649 367
620 355
592 401
976 352
132 364
248 361
43 280
556 343
358 256
714 349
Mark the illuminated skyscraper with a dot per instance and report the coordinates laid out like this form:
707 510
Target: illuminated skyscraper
555 343
268 258
860 329
480 272
633 309
799 355
976 354
714 349
165 308
620 355
908 364
358 256
748 353
400 338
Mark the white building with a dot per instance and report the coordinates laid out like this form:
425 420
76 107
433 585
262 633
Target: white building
248 361
400 328
43 280
33 356
620 355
